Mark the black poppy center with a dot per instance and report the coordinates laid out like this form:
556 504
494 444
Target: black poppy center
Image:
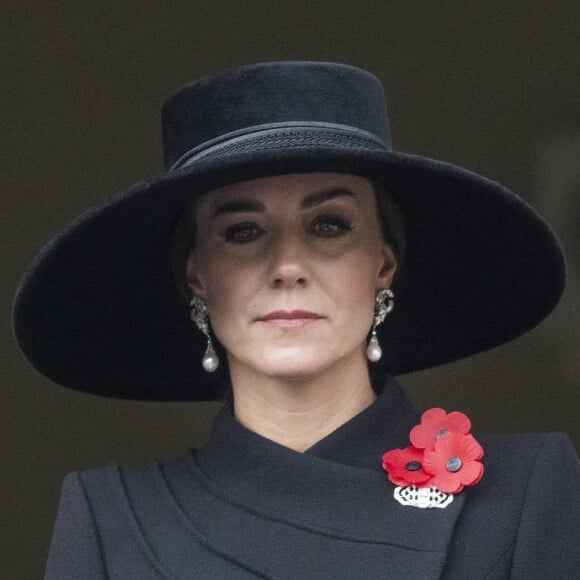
454 464
413 466
441 433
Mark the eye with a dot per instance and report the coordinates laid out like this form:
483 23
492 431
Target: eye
331 226
242 233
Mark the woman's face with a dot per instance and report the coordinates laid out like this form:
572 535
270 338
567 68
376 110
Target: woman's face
289 267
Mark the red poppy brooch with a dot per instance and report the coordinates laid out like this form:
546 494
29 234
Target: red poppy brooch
443 458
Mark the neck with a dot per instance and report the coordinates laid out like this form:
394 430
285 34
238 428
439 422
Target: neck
297 413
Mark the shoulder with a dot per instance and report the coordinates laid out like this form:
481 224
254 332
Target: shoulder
101 498
528 443
519 457
521 469
525 448
117 481
111 497
527 507
104 518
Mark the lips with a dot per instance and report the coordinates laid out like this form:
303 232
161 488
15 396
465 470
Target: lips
290 318
290 315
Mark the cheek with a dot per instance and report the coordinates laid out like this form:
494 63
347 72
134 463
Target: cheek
351 287
230 293
354 276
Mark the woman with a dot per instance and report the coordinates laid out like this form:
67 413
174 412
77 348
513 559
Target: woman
290 228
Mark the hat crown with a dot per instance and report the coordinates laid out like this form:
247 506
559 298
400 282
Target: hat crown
272 93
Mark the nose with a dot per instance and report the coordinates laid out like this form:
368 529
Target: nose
288 262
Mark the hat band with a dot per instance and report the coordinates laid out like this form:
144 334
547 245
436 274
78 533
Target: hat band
284 136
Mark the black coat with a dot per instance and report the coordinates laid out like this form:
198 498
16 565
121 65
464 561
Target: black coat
243 506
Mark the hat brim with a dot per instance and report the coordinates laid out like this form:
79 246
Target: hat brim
98 310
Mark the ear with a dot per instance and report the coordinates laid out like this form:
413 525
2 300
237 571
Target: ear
388 267
192 277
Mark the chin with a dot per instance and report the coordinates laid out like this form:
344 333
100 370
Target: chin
295 364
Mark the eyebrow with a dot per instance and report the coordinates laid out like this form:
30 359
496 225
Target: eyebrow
309 201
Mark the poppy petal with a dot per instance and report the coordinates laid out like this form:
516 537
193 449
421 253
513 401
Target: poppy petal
471 472
459 422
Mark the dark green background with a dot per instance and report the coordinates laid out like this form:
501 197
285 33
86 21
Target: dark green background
492 86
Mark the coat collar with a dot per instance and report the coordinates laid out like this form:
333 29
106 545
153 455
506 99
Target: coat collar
337 487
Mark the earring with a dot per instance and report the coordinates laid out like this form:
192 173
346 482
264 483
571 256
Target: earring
384 303
199 315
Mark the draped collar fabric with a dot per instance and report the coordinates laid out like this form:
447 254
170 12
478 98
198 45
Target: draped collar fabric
333 501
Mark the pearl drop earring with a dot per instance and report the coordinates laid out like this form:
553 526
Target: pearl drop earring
200 316
384 303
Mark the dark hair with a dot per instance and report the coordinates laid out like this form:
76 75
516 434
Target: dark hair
392 223
183 241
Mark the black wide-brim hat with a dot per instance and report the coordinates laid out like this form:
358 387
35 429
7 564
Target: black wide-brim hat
99 310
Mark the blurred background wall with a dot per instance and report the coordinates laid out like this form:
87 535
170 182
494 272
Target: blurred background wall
491 86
